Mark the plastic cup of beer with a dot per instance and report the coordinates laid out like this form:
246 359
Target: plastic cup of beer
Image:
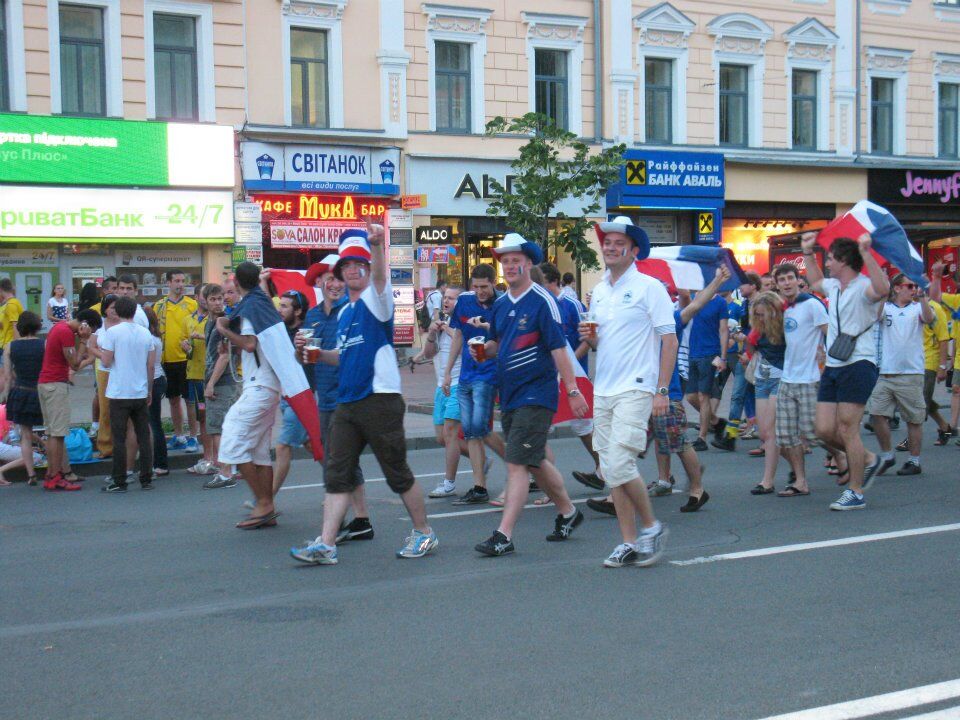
305 333
588 319
477 349
313 351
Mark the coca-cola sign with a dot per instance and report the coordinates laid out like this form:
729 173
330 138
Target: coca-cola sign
914 187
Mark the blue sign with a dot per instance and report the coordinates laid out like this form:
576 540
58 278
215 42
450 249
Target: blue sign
320 168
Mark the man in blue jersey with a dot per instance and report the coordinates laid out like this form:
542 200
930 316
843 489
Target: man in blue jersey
527 340
476 387
709 333
370 408
322 320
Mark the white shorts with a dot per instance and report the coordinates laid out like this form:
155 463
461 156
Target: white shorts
620 433
248 427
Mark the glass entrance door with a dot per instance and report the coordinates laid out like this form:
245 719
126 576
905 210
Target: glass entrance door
80 276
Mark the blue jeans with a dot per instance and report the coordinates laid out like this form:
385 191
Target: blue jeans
476 407
742 400
156 423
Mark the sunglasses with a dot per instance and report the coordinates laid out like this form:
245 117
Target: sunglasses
909 286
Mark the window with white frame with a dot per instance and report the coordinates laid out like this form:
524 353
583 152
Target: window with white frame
312 46
882 100
805 102
178 46
734 105
85 59
456 46
658 100
886 99
809 70
555 64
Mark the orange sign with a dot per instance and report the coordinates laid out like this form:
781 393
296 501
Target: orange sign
409 202
309 206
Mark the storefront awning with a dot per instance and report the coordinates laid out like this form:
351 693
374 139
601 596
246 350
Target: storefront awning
931 233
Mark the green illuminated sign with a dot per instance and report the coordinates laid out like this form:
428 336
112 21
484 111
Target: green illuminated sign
92 151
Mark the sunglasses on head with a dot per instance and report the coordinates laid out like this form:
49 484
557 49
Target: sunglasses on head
296 296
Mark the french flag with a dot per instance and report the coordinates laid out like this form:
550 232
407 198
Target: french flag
275 345
890 243
564 413
691 267
286 280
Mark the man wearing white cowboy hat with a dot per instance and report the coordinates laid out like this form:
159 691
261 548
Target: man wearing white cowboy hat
527 340
636 343
322 319
370 407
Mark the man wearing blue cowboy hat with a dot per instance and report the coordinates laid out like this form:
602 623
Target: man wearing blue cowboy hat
370 407
636 343
528 342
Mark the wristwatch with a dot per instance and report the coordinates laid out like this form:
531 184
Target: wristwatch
663 391
945 366
573 393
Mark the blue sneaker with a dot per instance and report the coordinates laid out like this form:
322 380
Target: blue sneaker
418 544
176 442
315 553
191 445
849 500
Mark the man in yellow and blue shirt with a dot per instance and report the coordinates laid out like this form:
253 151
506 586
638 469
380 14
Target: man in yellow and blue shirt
174 313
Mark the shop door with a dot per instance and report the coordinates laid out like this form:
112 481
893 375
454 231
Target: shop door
34 288
81 275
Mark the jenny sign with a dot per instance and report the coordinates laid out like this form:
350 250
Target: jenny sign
98 151
69 214
321 168
914 187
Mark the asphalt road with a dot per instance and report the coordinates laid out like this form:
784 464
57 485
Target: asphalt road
151 605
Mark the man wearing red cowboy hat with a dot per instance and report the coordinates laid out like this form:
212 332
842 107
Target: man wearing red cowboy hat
528 342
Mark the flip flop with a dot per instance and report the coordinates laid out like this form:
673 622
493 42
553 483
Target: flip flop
792 491
543 501
496 502
757 452
759 489
258 521
843 477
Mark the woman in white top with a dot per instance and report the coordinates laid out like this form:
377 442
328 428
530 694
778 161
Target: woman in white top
58 308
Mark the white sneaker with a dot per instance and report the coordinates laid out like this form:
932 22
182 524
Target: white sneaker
443 489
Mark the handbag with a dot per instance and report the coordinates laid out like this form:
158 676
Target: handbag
844 344
750 372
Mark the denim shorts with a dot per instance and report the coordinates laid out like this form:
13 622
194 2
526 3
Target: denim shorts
444 407
292 433
476 407
765 387
702 376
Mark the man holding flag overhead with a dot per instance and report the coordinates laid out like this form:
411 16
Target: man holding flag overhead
270 369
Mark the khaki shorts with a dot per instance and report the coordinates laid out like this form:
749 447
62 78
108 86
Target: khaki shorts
899 391
620 433
55 406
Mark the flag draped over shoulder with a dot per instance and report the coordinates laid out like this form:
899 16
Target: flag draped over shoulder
274 343
691 267
891 246
286 280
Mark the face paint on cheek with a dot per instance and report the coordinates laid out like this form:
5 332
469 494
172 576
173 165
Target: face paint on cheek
362 272
623 252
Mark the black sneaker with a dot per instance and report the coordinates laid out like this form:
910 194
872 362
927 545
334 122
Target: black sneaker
146 485
700 445
718 427
909 468
473 496
724 443
356 529
886 465
496 545
563 527
114 487
694 504
591 480
943 437
903 445
601 506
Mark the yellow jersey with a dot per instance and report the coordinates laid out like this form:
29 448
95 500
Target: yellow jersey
9 314
197 362
933 334
174 320
951 306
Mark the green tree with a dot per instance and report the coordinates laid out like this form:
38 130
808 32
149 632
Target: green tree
554 165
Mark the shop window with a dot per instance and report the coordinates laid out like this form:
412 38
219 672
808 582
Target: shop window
881 115
805 104
452 84
175 67
551 96
658 98
309 96
947 110
82 61
734 100
4 70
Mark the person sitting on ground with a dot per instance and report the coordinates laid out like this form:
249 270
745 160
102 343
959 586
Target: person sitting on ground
21 367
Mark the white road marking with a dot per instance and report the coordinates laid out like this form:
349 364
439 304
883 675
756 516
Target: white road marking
371 480
889 702
781 549
945 714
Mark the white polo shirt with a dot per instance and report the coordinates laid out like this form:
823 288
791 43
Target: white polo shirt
628 349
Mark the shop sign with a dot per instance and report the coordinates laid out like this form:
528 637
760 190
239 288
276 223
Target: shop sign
914 187
310 235
434 234
401 256
248 233
99 151
247 212
409 202
308 206
661 229
238 254
255 254
12 257
403 334
404 315
109 215
321 168
403 295
401 276
672 174
397 218
433 255
166 259
403 236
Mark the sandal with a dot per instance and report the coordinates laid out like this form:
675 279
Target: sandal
497 502
255 522
759 489
792 491
72 477
540 501
32 480
757 452
843 477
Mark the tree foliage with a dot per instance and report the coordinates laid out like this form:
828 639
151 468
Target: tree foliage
554 165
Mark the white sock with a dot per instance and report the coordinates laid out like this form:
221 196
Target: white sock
572 513
664 483
653 529
915 459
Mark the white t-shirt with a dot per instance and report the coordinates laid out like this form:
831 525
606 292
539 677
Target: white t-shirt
440 360
158 365
130 345
434 302
628 351
254 373
97 365
801 328
858 313
140 318
901 340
